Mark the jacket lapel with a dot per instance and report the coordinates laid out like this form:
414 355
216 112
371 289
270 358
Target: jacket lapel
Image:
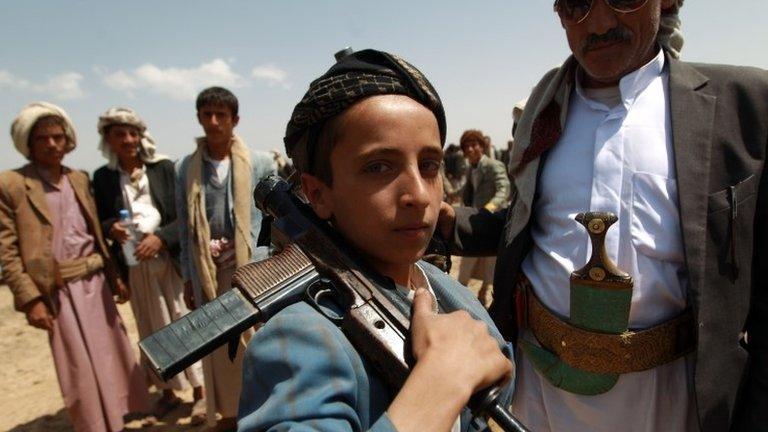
155 179
692 113
35 192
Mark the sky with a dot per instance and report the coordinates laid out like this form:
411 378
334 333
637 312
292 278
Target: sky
155 56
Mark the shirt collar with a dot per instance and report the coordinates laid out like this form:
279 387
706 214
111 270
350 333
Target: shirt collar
630 85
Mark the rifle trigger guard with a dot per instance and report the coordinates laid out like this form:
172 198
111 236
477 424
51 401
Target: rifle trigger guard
322 296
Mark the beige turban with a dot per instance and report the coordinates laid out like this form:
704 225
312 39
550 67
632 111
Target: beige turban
29 115
127 116
670 36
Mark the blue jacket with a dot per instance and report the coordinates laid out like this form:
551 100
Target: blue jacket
301 373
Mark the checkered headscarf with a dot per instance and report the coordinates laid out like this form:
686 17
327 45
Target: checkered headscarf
354 77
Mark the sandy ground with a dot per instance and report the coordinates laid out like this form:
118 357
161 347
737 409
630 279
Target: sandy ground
29 392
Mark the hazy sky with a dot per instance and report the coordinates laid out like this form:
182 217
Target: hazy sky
154 56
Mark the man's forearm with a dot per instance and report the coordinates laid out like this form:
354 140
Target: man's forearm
477 231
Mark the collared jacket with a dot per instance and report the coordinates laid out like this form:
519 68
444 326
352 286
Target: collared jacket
26 234
719 118
301 373
492 191
162 189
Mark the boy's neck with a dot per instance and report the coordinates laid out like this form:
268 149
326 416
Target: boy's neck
219 151
402 275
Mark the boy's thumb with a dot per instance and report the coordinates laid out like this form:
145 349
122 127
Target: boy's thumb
423 302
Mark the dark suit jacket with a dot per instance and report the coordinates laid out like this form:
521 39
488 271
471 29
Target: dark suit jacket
109 200
720 134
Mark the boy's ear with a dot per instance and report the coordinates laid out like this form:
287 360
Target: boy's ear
317 193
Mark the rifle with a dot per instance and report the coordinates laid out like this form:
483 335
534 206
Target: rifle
314 262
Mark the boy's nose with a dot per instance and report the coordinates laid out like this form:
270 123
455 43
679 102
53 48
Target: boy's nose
415 191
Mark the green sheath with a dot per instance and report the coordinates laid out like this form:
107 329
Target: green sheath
601 296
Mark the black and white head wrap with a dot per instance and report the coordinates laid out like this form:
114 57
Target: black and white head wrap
354 77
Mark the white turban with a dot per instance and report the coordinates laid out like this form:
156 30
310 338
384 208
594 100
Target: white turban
29 115
126 116
670 36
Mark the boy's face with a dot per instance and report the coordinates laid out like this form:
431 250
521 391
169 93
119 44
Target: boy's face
387 188
218 123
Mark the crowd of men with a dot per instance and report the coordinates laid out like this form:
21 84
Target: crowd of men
674 150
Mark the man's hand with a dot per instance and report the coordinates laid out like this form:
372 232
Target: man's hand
446 221
39 316
118 232
123 293
455 357
189 295
149 247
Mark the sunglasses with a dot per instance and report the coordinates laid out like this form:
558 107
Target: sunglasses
576 11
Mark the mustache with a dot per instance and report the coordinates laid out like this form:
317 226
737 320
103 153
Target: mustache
616 34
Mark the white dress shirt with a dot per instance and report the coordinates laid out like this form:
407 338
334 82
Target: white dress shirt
138 201
619 159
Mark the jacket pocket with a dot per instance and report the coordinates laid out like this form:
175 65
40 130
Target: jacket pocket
729 220
722 200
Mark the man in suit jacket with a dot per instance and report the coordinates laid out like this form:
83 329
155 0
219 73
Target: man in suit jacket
57 265
677 151
486 186
138 179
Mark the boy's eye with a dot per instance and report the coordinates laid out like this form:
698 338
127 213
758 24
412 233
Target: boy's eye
376 167
430 166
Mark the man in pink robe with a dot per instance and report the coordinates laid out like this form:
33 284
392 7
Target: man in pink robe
61 274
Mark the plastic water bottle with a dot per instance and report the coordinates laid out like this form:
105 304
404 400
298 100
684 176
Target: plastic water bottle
129 246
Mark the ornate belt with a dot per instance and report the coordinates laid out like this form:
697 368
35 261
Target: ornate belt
586 353
605 353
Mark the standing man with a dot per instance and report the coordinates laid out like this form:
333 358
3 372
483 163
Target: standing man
61 274
677 151
218 230
138 179
486 187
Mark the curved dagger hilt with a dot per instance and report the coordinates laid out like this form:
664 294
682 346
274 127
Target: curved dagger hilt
599 268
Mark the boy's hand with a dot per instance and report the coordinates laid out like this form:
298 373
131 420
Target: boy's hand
457 344
455 357
446 221
38 315
189 296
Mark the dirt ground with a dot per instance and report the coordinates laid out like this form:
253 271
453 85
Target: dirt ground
29 392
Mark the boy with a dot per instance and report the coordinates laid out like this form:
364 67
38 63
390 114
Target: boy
218 230
367 139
